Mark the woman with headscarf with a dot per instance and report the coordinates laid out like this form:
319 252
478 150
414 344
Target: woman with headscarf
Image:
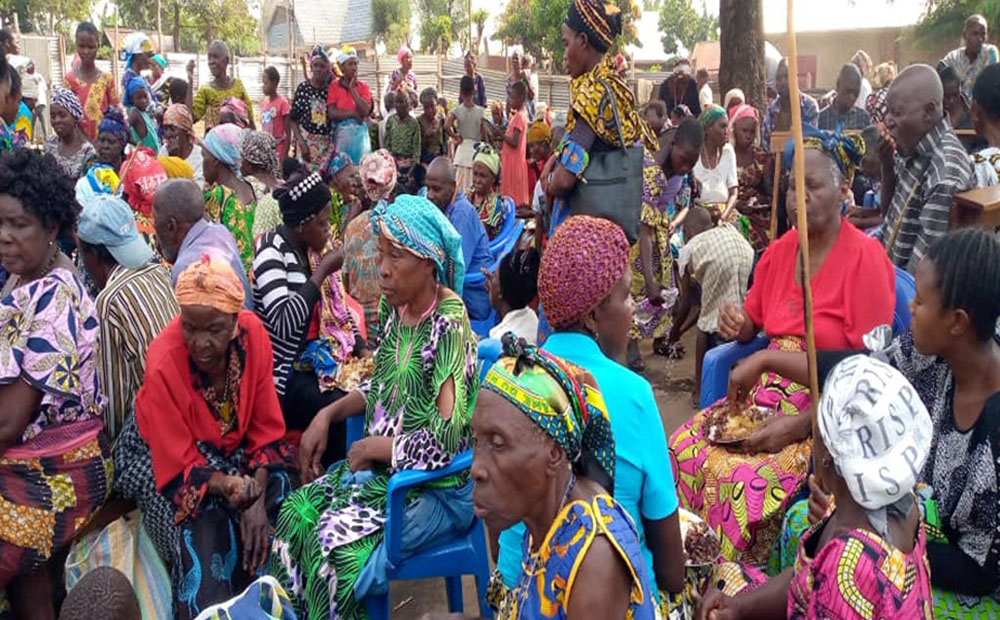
545 457
234 111
417 408
298 293
349 104
179 139
733 99
403 78
867 558
94 89
55 466
716 168
589 31
137 53
361 257
754 173
112 138
207 103
346 190
584 285
228 196
68 144
141 175
885 73
209 413
310 128
485 191
260 168
739 490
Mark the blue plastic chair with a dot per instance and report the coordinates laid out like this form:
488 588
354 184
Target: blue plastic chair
509 232
462 554
720 360
482 327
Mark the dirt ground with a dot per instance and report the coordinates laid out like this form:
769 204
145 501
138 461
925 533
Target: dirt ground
672 384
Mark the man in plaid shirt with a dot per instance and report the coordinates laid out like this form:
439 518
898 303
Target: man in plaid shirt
842 113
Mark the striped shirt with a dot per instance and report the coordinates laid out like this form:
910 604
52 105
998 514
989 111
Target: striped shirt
831 118
926 181
284 298
133 308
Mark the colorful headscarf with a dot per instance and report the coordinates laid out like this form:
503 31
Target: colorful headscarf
602 23
224 143
210 282
403 53
346 53
301 201
418 226
710 114
378 173
487 156
175 167
239 109
561 398
539 132
260 150
100 179
845 151
178 115
160 60
114 124
134 85
135 43
67 99
318 52
885 73
743 111
336 163
732 94
581 264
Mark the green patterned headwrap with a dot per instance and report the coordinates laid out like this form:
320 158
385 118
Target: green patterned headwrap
711 114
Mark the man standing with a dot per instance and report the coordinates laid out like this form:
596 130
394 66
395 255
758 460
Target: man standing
41 129
931 167
842 112
704 90
463 216
135 303
680 88
779 112
970 60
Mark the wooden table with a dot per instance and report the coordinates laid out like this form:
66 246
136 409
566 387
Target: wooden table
976 207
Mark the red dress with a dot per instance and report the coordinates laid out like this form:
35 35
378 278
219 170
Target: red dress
514 163
854 290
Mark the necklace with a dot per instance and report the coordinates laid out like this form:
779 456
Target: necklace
710 158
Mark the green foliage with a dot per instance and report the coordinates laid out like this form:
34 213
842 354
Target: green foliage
945 19
201 21
391 21
442 22
681 24
33 14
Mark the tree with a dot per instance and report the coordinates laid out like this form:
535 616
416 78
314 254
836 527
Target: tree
681 24
391 22
31 14
195 23
442 22
479 17
945 19
741 42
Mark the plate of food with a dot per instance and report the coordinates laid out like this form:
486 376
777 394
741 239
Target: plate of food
701 545
732 425
354 372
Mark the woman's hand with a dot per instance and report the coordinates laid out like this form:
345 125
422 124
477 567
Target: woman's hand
886 147
732 321
717 606
365 453
654 293
313 445
330 263
819 501
238 491
743 376
255 533
774 434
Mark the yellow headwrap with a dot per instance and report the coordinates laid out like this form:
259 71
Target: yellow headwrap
175 167
539 132
210 282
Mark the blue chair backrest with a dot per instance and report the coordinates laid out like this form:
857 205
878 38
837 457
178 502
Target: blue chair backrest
489 351
906 288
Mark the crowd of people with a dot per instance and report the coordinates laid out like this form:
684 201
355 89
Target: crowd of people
191 318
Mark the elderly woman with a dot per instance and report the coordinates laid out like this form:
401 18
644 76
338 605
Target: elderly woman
310 129
55 466
734 98
868 557
417 408
229 197
179 139
584 285
754 173
298 293
69 146
545 457
208 411
346 190
349 103
112 137
716 168
207 103
260 168
739 489
485 191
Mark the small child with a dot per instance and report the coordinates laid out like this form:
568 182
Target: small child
513 155
178 89
865 212
274 110
142 128
402 139
539 135
512 288
655 114
678 114
465 125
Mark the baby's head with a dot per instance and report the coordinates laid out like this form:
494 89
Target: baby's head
103 594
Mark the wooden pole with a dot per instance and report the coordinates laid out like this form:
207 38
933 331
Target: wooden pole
114 53
159 27
799 170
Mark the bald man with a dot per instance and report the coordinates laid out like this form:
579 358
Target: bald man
463 216
928 168
843 112
975 56
183 235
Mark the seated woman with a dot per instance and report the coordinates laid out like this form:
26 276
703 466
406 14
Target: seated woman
755 174
485 191
229 196
868 558
512 287
545 456
417 408
346 191
952 359
55 466
716 169
208 411
739 490
297 291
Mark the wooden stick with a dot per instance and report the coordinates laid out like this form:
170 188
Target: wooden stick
799 170
775 192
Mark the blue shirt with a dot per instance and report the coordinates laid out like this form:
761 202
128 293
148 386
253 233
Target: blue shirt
644 481
211 238
475 251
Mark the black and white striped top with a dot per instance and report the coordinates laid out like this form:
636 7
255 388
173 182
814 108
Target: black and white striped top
284 298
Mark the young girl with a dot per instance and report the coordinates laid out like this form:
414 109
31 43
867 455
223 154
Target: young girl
513 156
93 88
69 145
402 133
431 127
207 103
142 128
274 111
512 288
466 126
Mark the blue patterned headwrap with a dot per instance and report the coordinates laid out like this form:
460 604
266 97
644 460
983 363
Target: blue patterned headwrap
417 225
336 163
845 151
134 85
114 124
224 142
